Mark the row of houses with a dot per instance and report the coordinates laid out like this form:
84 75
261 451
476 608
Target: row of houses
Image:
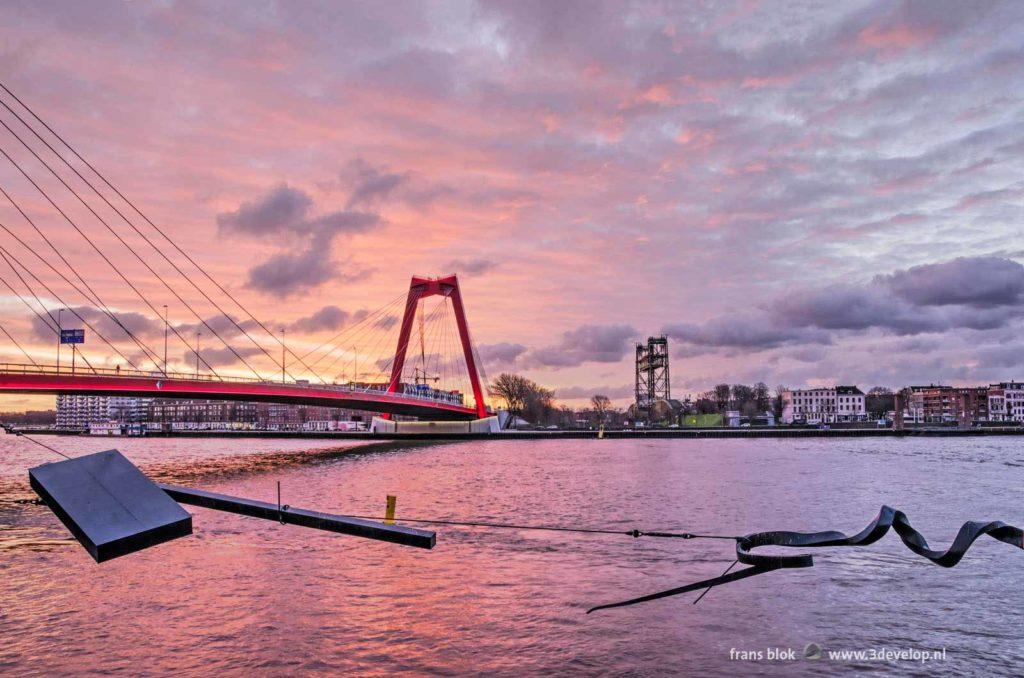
965 405
111 414
932 404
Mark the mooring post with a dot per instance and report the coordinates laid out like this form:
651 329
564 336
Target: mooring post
389 512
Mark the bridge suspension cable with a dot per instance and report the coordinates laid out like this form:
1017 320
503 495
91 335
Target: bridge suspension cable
346 337
43 142
137 231
381 347
127 246
48 320
439 356
98 251
92 297
159 230
15 341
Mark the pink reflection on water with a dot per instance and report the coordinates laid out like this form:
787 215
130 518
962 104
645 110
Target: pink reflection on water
243 595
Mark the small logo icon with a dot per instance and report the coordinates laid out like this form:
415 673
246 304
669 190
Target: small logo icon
812 651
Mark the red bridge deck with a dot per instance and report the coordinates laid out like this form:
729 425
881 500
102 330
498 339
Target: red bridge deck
44 380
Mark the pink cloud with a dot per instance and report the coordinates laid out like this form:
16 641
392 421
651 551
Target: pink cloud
895 38
606 160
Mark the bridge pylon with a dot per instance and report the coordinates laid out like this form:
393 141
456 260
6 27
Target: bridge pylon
420 288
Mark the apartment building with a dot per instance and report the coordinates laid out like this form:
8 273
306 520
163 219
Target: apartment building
850 404
203 414
913 403
78 411
947 404
972 405
1006 401
128 410
81 411
284 417
823 405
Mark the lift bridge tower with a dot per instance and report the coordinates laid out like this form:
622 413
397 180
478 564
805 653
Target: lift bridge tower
652 382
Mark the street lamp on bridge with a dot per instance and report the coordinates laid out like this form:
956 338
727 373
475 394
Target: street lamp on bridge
59 327
166 325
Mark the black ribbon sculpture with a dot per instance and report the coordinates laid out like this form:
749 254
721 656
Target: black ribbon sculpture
887 518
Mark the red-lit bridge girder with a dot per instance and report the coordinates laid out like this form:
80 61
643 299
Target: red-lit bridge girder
420 288
176 387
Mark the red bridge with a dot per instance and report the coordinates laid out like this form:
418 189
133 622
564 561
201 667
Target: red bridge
31 379
391 397
69 299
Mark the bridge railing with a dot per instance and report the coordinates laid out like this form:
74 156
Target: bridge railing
22 368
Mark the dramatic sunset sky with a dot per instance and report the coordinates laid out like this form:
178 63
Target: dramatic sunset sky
798 193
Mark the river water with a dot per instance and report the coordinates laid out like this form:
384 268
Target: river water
243 596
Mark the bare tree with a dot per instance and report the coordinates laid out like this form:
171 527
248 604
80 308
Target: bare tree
762 397
777 402
540 403
741 395
513 389
722 396
523 397
879 401
601 405
706 404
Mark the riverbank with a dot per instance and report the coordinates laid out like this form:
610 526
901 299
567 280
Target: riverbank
745 433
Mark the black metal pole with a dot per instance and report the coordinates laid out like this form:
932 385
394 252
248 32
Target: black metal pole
59 311
357 527
166 325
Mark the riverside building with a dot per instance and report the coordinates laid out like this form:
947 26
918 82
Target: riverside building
78 412
120 413
823 405
1006 401
948 404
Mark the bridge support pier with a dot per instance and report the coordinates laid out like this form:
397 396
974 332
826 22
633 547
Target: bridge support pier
435 428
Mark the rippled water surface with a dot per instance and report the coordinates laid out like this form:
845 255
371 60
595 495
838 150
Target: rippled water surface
244 596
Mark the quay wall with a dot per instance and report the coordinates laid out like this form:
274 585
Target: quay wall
426 434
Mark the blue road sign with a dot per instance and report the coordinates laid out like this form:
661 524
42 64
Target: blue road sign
72 336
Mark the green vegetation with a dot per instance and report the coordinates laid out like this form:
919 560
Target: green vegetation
702 420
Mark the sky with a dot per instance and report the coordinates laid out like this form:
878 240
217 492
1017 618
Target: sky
798 193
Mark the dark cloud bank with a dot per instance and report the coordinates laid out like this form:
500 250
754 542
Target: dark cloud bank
585 344
305 260
966 293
